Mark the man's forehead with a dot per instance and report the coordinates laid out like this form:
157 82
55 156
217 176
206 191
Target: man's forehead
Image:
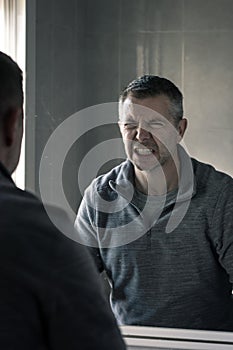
147 108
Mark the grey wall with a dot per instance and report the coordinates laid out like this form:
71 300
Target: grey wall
83 52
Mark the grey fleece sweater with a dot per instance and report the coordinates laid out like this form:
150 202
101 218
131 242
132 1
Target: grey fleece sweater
179 277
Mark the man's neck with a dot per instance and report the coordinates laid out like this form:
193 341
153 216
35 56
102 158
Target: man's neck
160 180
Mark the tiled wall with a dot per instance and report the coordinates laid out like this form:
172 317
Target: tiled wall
86 51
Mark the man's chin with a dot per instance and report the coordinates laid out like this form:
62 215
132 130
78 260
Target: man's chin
147 167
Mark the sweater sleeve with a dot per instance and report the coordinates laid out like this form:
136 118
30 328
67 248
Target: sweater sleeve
86 230
222 226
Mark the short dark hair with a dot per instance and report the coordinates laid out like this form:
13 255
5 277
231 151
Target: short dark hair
152 85
11 85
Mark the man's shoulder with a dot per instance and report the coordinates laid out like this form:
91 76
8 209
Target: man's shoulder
207 176
12 196
29 225
28 214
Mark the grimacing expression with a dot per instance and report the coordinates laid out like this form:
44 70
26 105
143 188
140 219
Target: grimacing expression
148 130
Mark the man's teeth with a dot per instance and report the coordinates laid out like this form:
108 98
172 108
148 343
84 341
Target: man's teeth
144 151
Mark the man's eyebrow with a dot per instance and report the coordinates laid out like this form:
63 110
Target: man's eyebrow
157 119
127 119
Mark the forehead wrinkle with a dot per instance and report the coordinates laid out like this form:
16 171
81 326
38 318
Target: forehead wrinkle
163 102
143 114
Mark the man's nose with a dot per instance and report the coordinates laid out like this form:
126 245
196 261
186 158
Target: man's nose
142 134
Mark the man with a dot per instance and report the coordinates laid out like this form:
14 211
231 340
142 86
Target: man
50 297
161 224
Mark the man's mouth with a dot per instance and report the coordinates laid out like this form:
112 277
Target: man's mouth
144 151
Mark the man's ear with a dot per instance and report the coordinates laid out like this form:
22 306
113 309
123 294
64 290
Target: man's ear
182 126
120 125
11 125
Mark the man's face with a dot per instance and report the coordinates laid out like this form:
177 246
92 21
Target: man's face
149 132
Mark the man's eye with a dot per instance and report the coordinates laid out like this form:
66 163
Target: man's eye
156 125
129 126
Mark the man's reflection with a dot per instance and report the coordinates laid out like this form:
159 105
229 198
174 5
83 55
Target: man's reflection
161 223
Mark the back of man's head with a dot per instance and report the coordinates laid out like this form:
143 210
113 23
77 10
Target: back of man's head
11 112
11 90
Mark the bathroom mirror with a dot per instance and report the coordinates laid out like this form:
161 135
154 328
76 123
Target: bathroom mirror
82 53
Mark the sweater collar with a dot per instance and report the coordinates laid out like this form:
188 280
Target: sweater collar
4 174
124 184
